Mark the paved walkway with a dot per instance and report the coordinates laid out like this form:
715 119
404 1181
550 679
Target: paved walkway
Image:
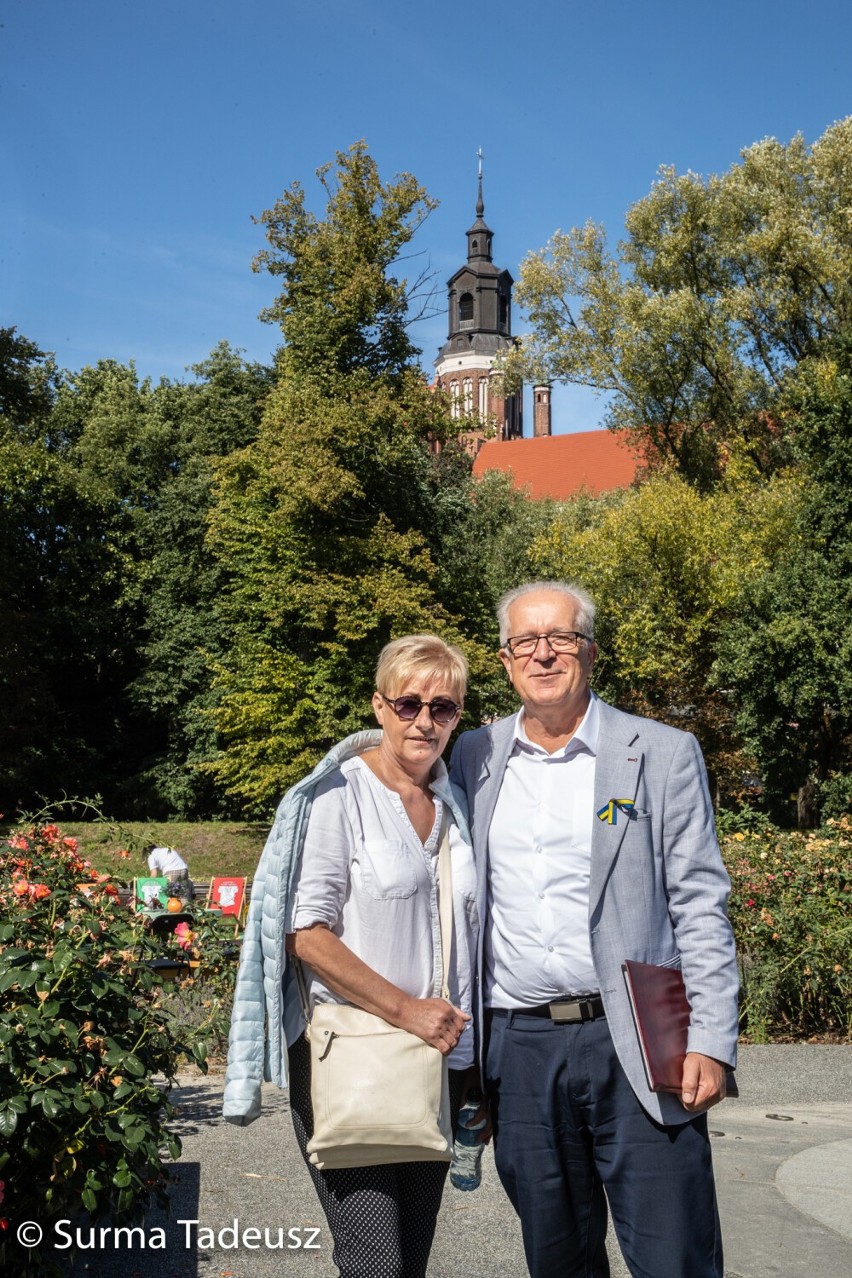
782 1152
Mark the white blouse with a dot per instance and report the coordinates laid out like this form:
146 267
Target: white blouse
364 873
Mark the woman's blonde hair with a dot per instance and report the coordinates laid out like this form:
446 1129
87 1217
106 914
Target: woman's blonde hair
425 656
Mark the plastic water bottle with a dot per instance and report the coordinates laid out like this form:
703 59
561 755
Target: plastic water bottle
466 1167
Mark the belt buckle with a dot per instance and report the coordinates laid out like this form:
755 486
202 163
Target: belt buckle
566 1013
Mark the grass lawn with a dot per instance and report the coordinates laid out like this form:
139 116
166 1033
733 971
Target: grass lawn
208 847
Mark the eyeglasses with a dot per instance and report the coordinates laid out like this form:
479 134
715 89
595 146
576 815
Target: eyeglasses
441 709
556 640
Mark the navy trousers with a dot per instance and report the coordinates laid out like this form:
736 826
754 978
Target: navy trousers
570 1136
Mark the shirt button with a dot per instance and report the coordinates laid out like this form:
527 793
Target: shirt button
550 949
541 896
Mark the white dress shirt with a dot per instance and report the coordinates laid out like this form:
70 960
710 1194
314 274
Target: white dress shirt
365 874
539 859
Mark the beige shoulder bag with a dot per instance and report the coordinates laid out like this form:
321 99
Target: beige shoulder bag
379 1094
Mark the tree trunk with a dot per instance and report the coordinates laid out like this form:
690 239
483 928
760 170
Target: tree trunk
807 807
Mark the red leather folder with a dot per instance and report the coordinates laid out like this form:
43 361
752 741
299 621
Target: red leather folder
661 1015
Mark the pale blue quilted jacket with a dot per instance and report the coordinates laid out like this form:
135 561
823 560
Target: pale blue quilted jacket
257 1050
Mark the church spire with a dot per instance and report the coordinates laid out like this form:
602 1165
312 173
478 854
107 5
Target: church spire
479 236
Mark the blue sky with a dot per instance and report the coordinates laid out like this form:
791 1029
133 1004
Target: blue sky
138 140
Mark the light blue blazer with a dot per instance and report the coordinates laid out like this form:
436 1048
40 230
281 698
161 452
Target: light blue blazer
658 888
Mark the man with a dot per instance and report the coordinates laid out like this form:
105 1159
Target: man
166 861
594 840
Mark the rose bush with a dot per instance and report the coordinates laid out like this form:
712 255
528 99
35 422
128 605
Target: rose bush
199 1001
791 910
84 1034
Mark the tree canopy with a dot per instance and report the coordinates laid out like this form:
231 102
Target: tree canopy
341 308
105 583
338 524
668 567
787 655
722 285
196 578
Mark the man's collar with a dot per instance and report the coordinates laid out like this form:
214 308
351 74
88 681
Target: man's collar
585 735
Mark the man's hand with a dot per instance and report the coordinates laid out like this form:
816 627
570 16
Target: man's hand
703 1082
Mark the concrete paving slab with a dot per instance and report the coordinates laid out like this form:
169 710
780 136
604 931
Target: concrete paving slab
818 1181
766 1232
781 1183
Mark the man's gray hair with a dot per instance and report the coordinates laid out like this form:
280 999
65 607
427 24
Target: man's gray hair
584 619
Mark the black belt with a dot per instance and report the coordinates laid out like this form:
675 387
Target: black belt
566 1011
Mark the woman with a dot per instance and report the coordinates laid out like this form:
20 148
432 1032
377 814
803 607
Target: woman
354 852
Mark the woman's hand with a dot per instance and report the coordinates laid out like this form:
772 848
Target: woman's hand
436 1021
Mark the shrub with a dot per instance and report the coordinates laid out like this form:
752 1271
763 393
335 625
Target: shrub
199 1002
835 795
83 1034
791 910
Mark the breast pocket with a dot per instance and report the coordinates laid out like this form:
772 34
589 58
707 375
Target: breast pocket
387 870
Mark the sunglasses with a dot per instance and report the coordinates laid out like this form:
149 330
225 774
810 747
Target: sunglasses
441 709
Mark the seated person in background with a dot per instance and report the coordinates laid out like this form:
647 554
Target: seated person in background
166 861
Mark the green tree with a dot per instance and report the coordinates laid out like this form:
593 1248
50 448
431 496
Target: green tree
58 667
340 308
788 654
24 479
176 583
119 451
107 587
27 380
668 567
720 288
145 454
326 526
333 524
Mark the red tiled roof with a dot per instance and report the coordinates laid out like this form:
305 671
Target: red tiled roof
561 466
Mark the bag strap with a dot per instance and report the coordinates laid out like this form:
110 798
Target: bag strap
445 904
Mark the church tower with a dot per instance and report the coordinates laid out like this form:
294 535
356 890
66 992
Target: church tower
480 329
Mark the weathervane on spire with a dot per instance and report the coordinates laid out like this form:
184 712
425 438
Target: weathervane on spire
480 207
